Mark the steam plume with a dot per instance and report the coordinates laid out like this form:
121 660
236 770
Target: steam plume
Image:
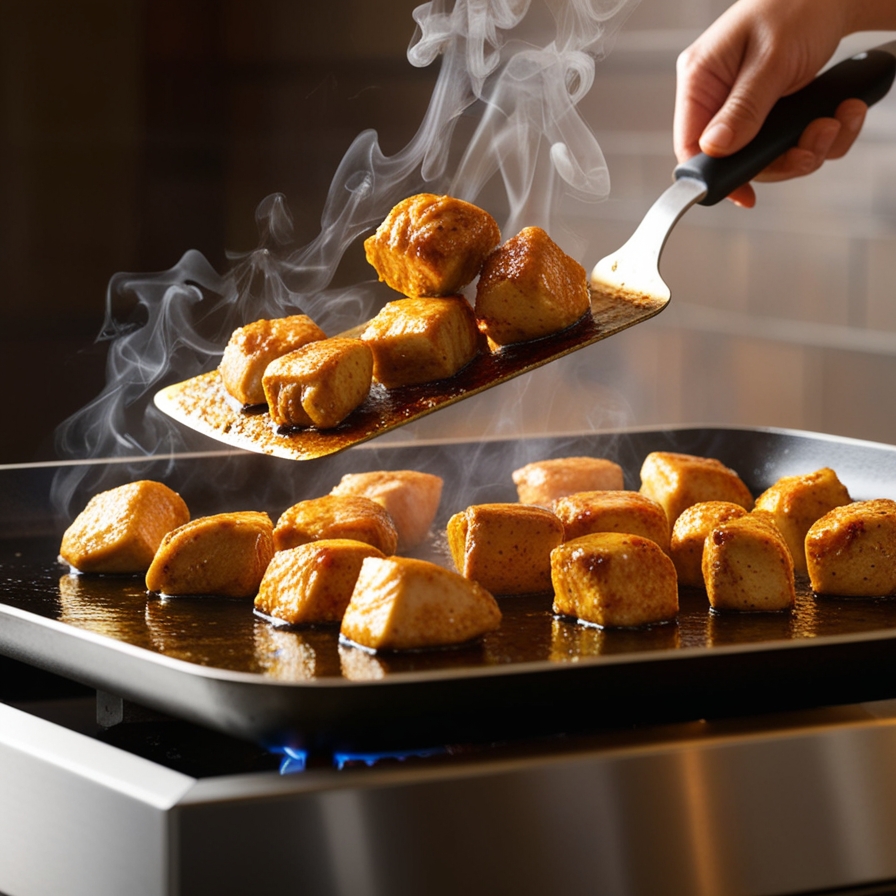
520 67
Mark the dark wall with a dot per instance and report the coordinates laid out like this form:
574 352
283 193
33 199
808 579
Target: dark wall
133 131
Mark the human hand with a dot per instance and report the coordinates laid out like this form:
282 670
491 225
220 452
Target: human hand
755 53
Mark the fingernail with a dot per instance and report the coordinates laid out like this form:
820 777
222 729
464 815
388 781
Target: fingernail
853 123
718 136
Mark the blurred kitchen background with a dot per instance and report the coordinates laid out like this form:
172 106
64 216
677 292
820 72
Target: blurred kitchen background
131 132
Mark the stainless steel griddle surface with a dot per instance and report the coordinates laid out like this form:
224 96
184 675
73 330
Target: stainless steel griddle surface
213 661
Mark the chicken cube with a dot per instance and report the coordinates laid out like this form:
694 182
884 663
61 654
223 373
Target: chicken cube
747 566
411 499
543 481
677 481
400 603
336 516
689 535
252 347
615 580
796 502
119 530
612 511
851 550
530 288
432 245
312 583
421 340
505 547
319 384
225 554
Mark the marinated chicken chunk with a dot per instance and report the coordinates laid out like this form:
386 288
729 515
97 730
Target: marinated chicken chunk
319 384
543 481
120 529
411 499
530 288
225 554
421 340
432 245
615 580
851 550
796 502
689 535
677 481
252 347
400 603
747 566
505 547
632 513
336 516
313 582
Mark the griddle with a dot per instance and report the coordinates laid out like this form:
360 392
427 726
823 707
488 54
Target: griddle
214 662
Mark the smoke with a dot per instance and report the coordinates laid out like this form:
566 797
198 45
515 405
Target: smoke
517 68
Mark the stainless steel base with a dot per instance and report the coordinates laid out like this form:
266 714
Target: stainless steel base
787 804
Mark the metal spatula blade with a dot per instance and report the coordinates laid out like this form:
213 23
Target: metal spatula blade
634 269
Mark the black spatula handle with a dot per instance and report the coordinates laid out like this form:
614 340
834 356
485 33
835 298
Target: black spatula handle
866 76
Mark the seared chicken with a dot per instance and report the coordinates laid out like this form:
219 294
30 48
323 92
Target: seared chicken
505 547
677 481
851 550
612 511
401 603
336 516
225 554
689 535
411 499
319 384
615 580
254 346
421 340
796 502
543 481
432 245
529 288
747 566
120 529
312 583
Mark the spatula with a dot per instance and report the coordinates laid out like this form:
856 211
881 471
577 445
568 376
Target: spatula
633 270
626 289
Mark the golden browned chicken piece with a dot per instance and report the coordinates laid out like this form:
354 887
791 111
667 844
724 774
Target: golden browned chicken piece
225 554
851 550
796 502
614 580
421 340
411 499
120 529
543 481
690 532
404 604
432 245
336 516
312 583
254 346
747 566
505 547
319 384
612 511
679 480
529 288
